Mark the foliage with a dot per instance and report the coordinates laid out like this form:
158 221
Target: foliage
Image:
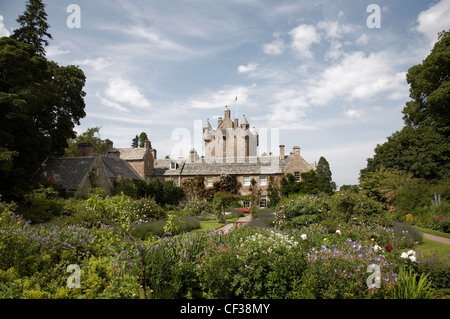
41 102
92 136
353 207
324 181
198 207
33 26
139 140
164 193
307 185
302 211
422 147
412 285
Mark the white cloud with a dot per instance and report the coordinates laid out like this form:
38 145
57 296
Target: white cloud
97 64
358 76
353 113
221 98
274 48
3 31
363 39
303 37
334 29
247 68
54 51
111 104
122 90
434 20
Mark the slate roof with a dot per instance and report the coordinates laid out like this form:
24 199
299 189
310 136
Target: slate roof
113 167
132 153
249 166
68 171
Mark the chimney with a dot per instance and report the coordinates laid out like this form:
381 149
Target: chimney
146 144
297 151
219 121
282 152
85 149
114 154
192 158
236 121
154 153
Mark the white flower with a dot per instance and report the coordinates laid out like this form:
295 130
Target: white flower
376 248
411 252
404 255
304 237
338 232
413 258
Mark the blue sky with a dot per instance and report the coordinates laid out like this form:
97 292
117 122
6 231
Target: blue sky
313 71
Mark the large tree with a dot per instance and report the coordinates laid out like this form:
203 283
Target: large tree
40 104
324 181
33 26
92 135
422 146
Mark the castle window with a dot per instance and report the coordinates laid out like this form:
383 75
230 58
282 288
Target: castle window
209 182
246 180
297 176
173 165
263 180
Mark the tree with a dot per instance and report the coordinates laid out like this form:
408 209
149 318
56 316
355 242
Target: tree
92 135
324 182
33 26
421 151
139 140
40 103
135 142
430 89
422 146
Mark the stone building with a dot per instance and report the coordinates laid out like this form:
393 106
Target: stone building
230 149
88 169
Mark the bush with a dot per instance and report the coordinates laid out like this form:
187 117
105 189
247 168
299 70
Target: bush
299 212
198 207
346 207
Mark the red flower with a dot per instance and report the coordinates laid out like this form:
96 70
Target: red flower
388 247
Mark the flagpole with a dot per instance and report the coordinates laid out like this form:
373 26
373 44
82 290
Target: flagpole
235 105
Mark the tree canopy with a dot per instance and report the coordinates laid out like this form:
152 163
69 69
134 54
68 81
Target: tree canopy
40 102
92 135
422 146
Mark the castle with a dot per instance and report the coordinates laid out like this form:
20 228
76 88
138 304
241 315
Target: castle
230 149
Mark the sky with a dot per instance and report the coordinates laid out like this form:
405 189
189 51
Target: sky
328 76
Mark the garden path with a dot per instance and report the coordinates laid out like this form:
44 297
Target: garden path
244 220
437 238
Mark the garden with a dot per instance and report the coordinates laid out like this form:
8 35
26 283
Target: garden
344 245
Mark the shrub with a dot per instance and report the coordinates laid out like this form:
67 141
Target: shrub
300 212
347 206
198 207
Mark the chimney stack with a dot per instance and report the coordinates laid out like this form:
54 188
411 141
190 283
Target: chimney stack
85 149
146 144
227 113
297 151
192 156
219 121
282 152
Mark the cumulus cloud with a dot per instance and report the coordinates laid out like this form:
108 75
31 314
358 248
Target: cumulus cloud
111 104
220 98
274 48
3 31
247 68
357 76
97 64
303 37
434 20
121 90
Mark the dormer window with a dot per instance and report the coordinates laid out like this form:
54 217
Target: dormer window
173 165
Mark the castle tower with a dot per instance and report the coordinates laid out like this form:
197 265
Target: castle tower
230 140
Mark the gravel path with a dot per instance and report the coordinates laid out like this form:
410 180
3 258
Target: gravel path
437 238
244 220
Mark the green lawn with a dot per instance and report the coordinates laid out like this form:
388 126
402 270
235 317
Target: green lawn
214 224
430 247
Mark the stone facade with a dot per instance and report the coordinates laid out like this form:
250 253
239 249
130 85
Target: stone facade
230 149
